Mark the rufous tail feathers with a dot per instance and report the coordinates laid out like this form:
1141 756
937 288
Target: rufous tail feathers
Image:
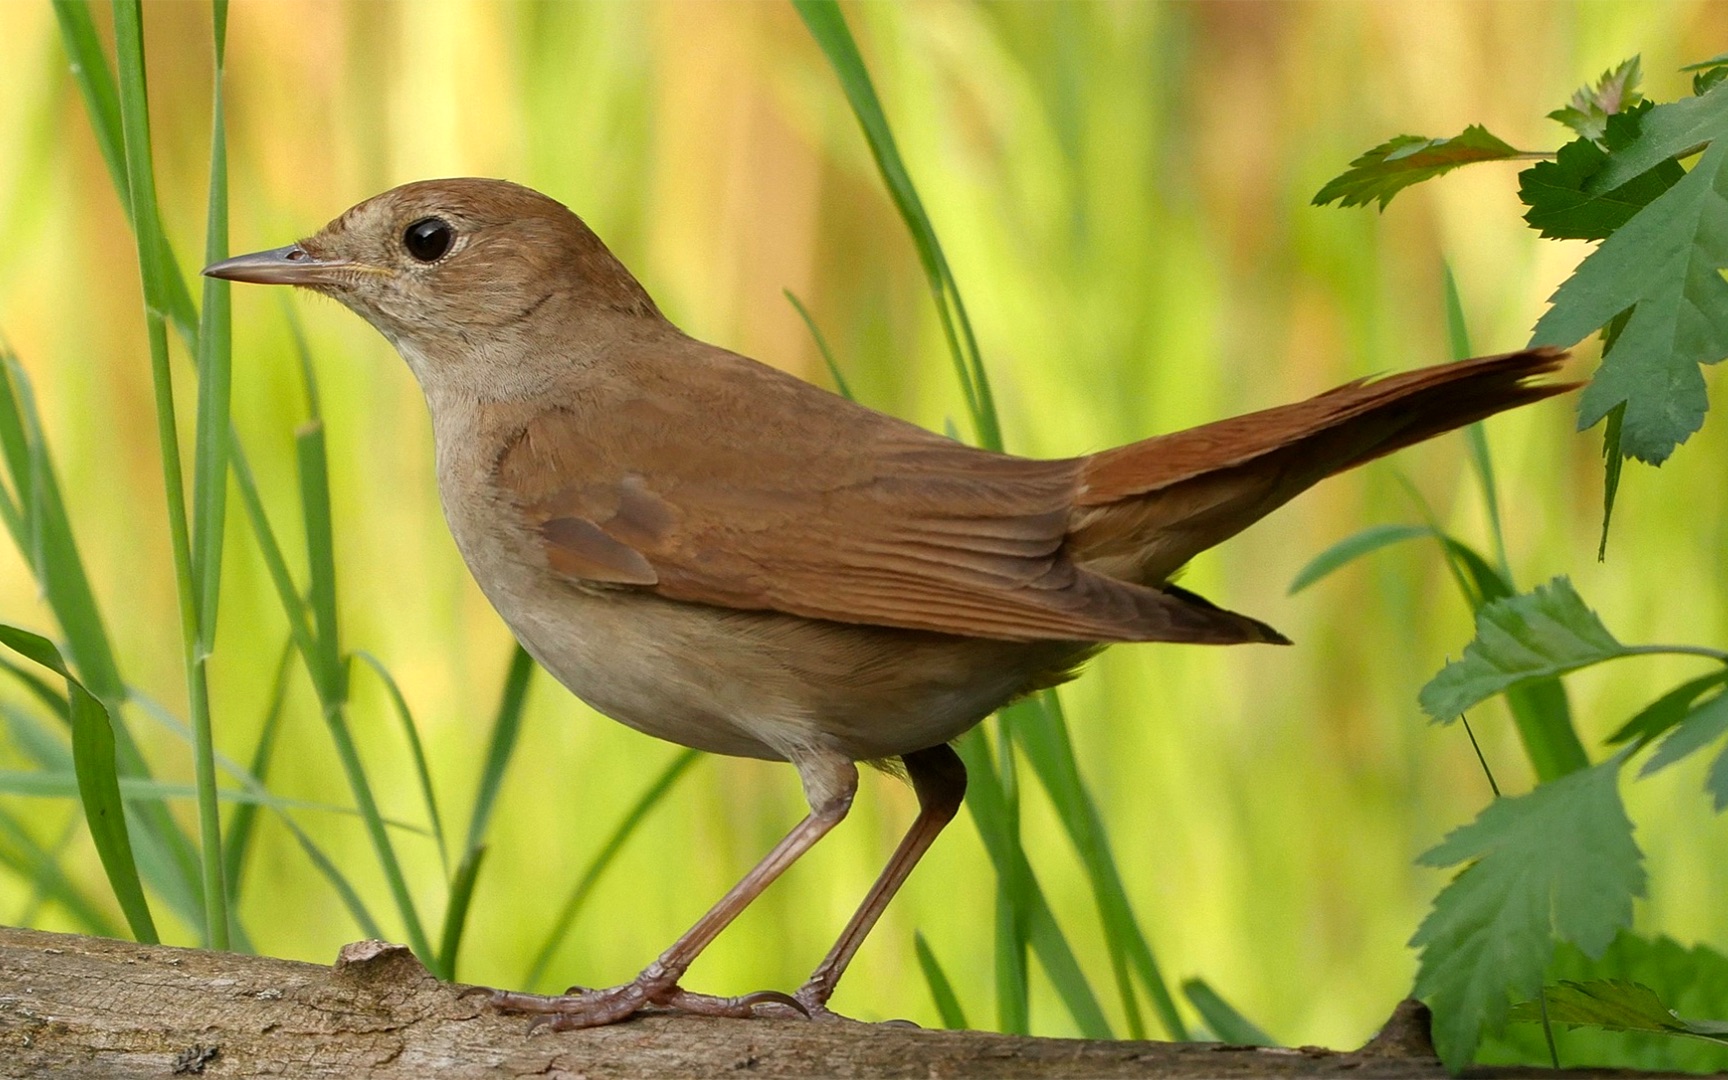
1146 508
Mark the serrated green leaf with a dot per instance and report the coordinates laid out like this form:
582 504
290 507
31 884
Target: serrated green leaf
1675 130
1562 205
1548 631
1691 980
1404 160
1617 1005
1665 265
1666 711
1703 725
1559 862
1614 92
1716 782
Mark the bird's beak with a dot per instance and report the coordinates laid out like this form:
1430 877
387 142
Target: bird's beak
291 265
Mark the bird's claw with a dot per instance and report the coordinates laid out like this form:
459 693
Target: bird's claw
584 1008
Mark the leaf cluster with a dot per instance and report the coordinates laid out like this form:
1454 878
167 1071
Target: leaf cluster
1654 286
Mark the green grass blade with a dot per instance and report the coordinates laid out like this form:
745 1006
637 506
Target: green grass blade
1351 548
48 545
1013 892
941 990
345 891
215 349
1013 993
237 839
1540 708
988 801
59 784
650 798
102 104
1229 1025
828 27
411 732
31 862
456 913
1475 435
96 83
38 687
314 470
40 744
1041 727
330 677
98 780
840 384
153 262
506 727
275 563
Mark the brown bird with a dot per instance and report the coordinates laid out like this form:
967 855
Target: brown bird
724 556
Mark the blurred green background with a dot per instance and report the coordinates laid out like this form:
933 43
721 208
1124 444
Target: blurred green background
1122 189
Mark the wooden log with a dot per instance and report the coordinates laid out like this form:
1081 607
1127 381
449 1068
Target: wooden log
76 1007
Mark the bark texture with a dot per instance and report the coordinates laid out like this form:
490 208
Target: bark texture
76 1007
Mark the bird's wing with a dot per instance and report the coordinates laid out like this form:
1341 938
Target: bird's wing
783 497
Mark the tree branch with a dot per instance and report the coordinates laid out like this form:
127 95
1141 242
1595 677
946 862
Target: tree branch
77 1007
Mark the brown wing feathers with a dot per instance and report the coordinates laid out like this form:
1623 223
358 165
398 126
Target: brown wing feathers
902 528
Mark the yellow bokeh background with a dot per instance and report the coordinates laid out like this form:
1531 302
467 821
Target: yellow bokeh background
1123 192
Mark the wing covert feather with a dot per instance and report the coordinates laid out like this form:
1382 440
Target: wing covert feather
885 523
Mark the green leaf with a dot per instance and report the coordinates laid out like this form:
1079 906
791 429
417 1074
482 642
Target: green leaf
1404 160
1229 1025
1707 73
1666 711
98 780
1664 265
1617 1005
1614 92
1678 129
1702 725
1716 782
941 990
1542 633
1613 464
1557 862
1564 206
1691 980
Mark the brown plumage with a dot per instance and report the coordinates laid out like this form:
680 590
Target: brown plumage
719 554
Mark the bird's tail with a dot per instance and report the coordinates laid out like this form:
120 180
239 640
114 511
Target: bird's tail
1146 508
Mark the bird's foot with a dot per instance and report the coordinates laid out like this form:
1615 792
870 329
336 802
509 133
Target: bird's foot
812 1000
579 1007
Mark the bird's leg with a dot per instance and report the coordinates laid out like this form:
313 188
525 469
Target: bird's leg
829 785
939 778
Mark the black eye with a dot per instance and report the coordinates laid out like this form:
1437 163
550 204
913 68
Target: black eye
428 239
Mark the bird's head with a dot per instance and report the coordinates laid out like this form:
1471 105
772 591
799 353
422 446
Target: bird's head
466 277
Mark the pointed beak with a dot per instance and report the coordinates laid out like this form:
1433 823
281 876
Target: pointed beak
291 265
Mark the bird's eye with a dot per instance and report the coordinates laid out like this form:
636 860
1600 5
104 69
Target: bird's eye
428 239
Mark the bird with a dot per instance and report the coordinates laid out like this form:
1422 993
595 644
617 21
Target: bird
722 555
